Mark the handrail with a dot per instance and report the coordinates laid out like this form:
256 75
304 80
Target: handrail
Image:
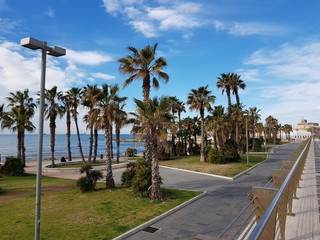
260 227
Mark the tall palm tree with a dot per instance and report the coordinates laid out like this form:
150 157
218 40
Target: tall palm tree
142 65
75 95
120 120
53 108
200 100
67 111
107 106
89 100
154 118
225 82
272 127
18 118
236 84
174 106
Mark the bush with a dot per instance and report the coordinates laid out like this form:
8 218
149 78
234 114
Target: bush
131 152
138 176
141 182
214 156
231 151
88 183
128 175
13 166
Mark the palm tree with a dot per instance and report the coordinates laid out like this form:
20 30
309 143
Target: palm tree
201 100
142 65
253 117
272 127
75 95
67 110
120 119
18 118
154 118
236 84
174 106
107 106
287 128
225 82
52 110
89 100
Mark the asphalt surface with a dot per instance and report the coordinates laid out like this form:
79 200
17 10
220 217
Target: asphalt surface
207 217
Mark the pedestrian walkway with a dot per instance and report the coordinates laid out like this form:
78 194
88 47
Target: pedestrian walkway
305 223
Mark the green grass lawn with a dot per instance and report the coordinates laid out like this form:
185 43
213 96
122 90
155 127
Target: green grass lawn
229 170
66 213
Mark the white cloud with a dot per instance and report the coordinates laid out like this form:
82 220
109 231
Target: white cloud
291 79
152 20
144 27
87 57
50 12
103 76
250 28
8 26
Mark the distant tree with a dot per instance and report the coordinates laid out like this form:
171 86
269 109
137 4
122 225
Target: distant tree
200 100
75 95
67 111
18 118
53 108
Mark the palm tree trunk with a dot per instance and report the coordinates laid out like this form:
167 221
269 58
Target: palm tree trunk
155 175
109 175
19 145
202 150
23 149
79 139
118 143
68 122
52 138
90 144
95 151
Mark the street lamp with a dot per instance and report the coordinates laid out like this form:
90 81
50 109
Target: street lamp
55 51
247 137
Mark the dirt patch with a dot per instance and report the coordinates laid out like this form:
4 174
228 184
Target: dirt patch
8 196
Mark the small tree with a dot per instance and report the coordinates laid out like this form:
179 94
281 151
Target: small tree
13 167
88 182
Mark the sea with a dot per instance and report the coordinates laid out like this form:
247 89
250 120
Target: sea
8 145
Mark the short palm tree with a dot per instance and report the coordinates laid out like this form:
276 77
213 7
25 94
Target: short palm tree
75 95
154 117
53 108
201 100
18 118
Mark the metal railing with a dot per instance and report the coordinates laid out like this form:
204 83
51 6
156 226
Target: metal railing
285 181
281 205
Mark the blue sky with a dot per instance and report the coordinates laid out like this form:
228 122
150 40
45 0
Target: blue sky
273 44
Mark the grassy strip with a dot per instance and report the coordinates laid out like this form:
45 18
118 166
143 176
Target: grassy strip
66 213
229 170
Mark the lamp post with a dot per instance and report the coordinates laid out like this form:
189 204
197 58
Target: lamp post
55 51
247 137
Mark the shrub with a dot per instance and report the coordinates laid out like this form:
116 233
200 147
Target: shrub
231 151
13 166
131 152
214 156
88 183
128 175
141 182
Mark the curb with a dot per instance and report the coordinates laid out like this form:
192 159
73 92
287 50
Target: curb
206 174
48 169
158 218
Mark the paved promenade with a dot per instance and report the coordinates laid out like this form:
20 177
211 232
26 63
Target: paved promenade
305 223
208 216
